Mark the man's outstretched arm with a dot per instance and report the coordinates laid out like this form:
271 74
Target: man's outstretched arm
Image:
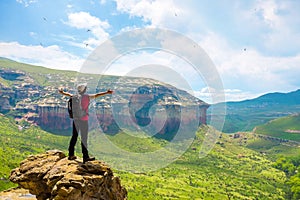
94 96
64 93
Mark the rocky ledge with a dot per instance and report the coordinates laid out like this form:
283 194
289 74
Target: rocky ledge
52 176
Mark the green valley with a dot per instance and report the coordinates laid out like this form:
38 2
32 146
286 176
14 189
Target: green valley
17 143
246 115
229 171
245 164
285 127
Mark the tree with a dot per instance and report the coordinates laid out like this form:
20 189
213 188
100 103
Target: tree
294 183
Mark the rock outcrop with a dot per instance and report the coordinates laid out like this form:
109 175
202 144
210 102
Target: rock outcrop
16 194
52 176
135 102
4 104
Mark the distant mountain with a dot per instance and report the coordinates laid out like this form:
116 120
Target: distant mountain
245 115
276 98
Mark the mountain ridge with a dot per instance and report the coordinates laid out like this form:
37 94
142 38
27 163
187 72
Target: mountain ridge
282 97
247 114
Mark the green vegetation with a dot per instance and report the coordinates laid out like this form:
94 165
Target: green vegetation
36 73
43 76
230 171
246 167
17 144
272 148
285 155
291 167
284 127
245 115
244 122
135 143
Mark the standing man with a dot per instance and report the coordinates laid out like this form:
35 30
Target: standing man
81 125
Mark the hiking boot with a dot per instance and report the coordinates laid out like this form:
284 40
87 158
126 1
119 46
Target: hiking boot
72 157
88 159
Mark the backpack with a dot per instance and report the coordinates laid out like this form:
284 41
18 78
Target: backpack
74 107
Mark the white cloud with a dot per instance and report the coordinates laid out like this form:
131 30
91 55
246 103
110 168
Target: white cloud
247 61
206 94
32 34
167 13
250 70
83 20
26 3
102 2
239 95
271 25
51 56
97 27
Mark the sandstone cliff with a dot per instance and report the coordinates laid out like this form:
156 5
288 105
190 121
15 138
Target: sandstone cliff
34 98
52 176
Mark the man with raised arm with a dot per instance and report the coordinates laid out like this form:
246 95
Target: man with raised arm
81 125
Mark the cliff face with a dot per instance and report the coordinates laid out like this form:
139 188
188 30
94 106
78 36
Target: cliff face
4 104
52 176
53 118
134 100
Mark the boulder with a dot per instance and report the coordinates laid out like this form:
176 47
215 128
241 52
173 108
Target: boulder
16 194
51 175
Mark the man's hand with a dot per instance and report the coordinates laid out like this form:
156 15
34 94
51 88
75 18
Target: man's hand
109 91
64 93
60 90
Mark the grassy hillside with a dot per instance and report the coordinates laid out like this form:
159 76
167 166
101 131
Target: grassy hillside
17 144
271 148
230 171
284 153
284 127
36 73
245 115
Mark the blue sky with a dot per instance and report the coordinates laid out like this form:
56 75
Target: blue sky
255 45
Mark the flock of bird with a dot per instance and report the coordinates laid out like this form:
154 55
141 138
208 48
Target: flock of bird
89 30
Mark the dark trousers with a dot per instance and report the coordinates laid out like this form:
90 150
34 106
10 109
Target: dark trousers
82 127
